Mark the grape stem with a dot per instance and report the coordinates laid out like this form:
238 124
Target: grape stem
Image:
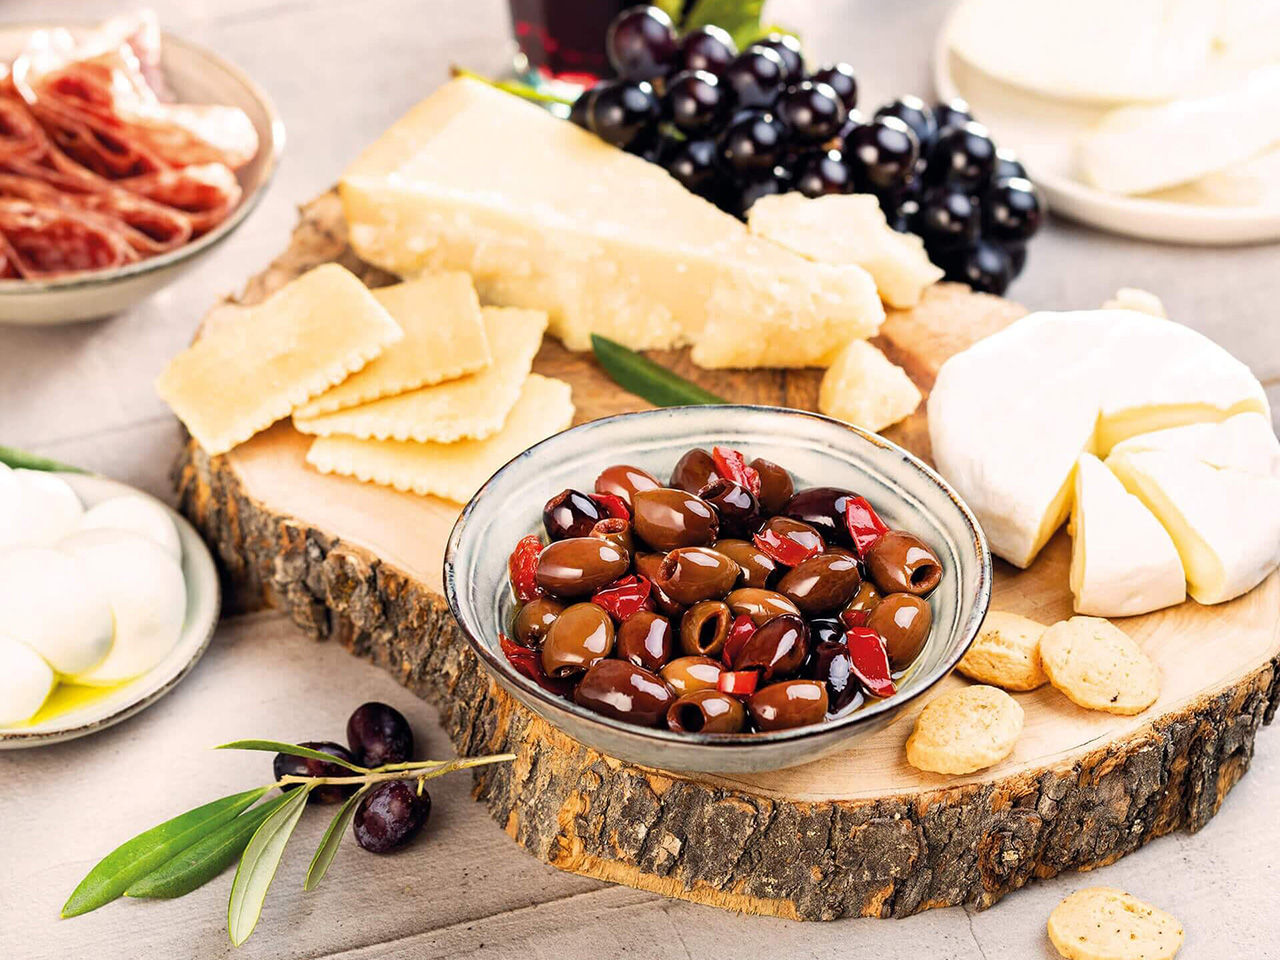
420 770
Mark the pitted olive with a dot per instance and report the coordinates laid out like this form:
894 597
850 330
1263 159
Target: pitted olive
535 619
690 574
707 711
581 636
903 622
580 566
624 691
900 562
667 518
821 584
791 703
693 471
646 639
690 674
704 628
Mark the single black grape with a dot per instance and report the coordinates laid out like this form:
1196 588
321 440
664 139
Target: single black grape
949 217
1012 210
641 43
839 77
818 174
620 111
390 815
1007 165
915 114
952 113
707 48
882 153
693 100
852 121
739 196
648 145
1017 257
288 765
812 111
580 112
378 733
984 265
692 162
755 77
753 143
902 204
788 48
963 155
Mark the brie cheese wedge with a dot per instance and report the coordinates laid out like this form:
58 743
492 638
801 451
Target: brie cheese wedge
1244 442
1123 563
26 681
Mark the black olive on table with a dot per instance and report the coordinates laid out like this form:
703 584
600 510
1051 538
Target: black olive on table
288 765
832 666
823 508
737 507
378 733
390 815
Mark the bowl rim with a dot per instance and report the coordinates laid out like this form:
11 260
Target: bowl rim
502 671
270 152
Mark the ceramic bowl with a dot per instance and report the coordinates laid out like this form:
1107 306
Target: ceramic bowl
818 451
198 76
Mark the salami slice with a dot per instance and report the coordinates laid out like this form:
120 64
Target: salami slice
49 241
206 193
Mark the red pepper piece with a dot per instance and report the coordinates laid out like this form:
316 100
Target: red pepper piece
739 633
523 567
785 550
613 506
865 525
854 618
738 683
869 661
528 662
625 597
732 465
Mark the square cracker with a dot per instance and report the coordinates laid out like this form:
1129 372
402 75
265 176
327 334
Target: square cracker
471 407
443 339
256 364
454 471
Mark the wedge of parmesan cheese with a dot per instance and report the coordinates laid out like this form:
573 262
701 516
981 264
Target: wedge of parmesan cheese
863 388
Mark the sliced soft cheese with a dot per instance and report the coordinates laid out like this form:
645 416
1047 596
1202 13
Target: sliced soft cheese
1254 183
50 602
1137 149
1244 442
1224 522
1123 563
545 215
848 228
26 681
1009 417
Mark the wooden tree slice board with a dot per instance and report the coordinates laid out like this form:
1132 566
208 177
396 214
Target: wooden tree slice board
859 833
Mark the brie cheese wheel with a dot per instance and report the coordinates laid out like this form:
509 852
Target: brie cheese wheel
1123 563
546 216
1244 442
1010 416
1224 522
148 598
10 506
139 515
49 601
26 681
49 508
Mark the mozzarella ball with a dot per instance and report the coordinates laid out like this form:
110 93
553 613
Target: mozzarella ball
137 514
49 601
26 680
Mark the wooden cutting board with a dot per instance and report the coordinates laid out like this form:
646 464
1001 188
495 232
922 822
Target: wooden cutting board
857 833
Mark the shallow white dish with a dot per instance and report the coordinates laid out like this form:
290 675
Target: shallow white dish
118 703
196 75
1043 132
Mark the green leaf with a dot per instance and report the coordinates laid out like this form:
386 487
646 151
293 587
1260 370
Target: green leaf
202 861
740 17
513 87
331 840
135 858
259 864
647 379
20 459
275 746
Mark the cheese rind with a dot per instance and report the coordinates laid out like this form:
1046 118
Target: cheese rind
600 239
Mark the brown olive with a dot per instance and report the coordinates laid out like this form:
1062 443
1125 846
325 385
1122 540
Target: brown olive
760 605
833 666
758 568
645 639
903 622
707 711
778 648
570 514
776 486
617 531
624 691
864 598
666 519
535 619
900 562
781 529
823 508
693 471
690 674
647 565
581 636
822 583
580 566
791 703
622 480
704 628
739 511
690 574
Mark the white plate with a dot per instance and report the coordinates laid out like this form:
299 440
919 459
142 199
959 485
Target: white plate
118 703
1043 131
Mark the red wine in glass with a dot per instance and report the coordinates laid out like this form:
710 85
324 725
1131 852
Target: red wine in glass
563 40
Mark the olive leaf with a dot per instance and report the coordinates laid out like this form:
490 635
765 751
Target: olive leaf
259 863
331 840
275 746
647 379
741 18
135 858
672 8
22 460
202 861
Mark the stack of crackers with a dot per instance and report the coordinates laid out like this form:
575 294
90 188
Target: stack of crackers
414 386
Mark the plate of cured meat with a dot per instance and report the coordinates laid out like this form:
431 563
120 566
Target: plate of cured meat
125 153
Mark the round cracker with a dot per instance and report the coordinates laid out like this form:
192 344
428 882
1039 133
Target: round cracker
1103 923
1098 666
1006 653
965 730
